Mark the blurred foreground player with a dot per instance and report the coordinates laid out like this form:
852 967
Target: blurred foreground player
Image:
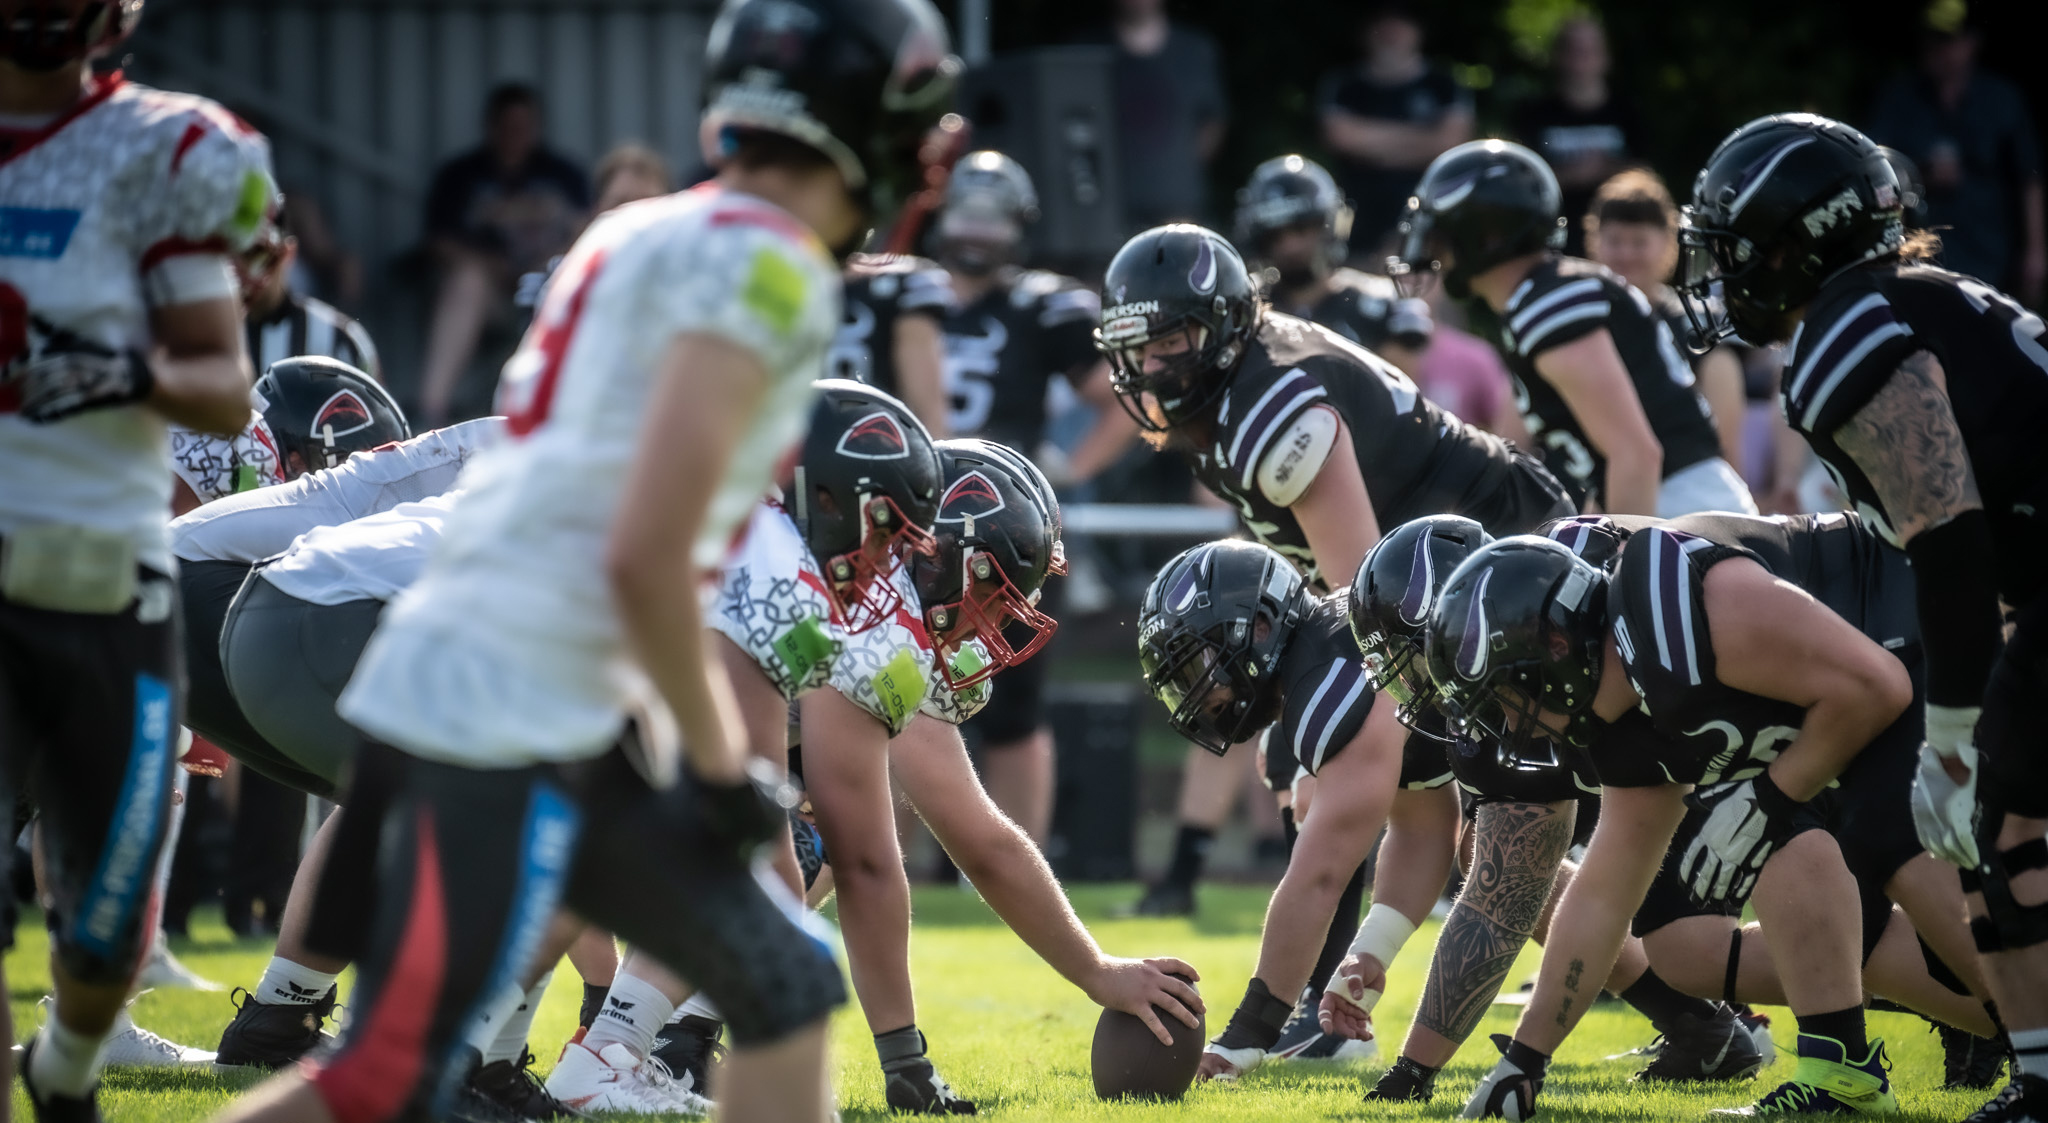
1924 392
122 206
667 371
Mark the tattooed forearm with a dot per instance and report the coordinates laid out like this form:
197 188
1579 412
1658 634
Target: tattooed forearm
1906 441
1515 854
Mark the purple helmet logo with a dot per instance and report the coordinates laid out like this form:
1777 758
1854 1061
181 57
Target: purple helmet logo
1203 275
1472 646
1421 584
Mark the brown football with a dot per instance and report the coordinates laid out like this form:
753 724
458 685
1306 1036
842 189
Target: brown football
1129 1062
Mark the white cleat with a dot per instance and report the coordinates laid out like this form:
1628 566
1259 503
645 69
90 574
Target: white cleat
165 970
614 1080
131 1046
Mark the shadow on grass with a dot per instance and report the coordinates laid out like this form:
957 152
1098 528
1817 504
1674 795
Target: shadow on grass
1224 910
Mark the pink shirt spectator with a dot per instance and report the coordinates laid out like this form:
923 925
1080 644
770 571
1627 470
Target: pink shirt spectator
1463 374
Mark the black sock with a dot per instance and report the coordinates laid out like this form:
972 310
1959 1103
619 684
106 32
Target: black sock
1190 854
1845 1026
1343 926
593 1002
1657 1001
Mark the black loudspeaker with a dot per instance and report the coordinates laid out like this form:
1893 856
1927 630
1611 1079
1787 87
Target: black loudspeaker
1053 110
1095 802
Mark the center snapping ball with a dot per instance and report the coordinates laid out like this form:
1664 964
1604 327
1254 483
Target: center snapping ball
1129 1062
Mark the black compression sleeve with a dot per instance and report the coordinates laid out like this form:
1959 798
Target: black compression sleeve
1957 592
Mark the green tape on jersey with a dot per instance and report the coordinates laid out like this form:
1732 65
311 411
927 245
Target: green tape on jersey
803 647
251 205
899 688
775 291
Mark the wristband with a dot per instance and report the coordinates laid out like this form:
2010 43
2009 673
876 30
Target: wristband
1258 1020
1382 934
1778 808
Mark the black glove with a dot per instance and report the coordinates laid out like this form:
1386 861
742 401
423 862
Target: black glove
1408 1081
1509 1091
70 375
913 1085
740 817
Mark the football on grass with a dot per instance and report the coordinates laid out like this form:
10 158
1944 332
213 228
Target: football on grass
1129 1062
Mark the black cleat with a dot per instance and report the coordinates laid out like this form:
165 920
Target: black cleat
1407 1082
514 1086
689 1047
273 1034
1969 1061
55 1108
1165 899
1302 1038
1698 1049
2025 1100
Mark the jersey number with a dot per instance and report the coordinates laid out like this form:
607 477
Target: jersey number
972 363
1577 462
526 388
1769 742
2027 328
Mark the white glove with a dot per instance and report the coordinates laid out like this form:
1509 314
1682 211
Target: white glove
1944 811
1746 821
1509 1091
1240 1061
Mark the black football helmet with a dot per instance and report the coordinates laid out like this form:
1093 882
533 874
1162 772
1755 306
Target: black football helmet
1912 188
326 411
989 203
1483 202
1211 631
1175 280
997 538
1389 603
859 80
1290 191
864 494
1518 630
45 35
1784 205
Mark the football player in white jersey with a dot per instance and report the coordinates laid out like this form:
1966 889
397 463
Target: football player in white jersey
667 371
119 209
881 701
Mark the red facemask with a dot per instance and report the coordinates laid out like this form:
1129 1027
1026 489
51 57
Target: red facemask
989 604
863 580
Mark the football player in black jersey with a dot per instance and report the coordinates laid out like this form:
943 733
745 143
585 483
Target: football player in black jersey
1599 379
1293 223
1011 331
1695 660
1925 393
1233 642
890 337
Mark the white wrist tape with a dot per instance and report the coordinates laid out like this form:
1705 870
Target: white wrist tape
1382 934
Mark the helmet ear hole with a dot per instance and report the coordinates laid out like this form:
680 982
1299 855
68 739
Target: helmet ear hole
823 503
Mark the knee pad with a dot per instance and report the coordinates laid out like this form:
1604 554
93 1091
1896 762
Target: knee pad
2010 925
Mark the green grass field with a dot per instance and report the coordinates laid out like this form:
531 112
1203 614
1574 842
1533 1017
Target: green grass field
1011 1034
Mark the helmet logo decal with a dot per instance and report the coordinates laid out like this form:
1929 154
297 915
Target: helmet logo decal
1421 584
345 412
1472 647
1202 275
1830 214
1753 179
877 436
1454 192
1182 594
972 496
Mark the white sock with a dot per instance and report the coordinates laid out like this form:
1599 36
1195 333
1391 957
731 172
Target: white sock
511 1040
634 1012
490 1019
285 983
65 1063
697 1005
2030 1046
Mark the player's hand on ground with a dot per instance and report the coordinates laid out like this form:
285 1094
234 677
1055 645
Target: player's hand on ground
1354 990
1135 986
1226 1065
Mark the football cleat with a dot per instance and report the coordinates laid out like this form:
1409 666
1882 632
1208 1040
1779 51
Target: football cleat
1302 1039
163 969
614 1080
1164 899
130 1046
1969 1061
514 1086
1713 1048
55 1108
688 1047
1827 1082
2025 1100
273 1034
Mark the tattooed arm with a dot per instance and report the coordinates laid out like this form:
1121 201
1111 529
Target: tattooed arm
1586 934
1515 855
1906 441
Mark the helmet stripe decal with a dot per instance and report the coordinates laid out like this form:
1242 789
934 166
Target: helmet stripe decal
1453 193
1421 583
1472 646
1754 179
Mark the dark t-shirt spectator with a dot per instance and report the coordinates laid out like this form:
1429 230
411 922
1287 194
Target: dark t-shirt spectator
1377 193
1163 100
526 216
1988 141
1562 133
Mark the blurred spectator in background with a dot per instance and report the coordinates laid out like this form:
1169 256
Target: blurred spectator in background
493 214
1584 131
1170 112
1974 141
628 173
1386 117
1631 227
281 320
1464 374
